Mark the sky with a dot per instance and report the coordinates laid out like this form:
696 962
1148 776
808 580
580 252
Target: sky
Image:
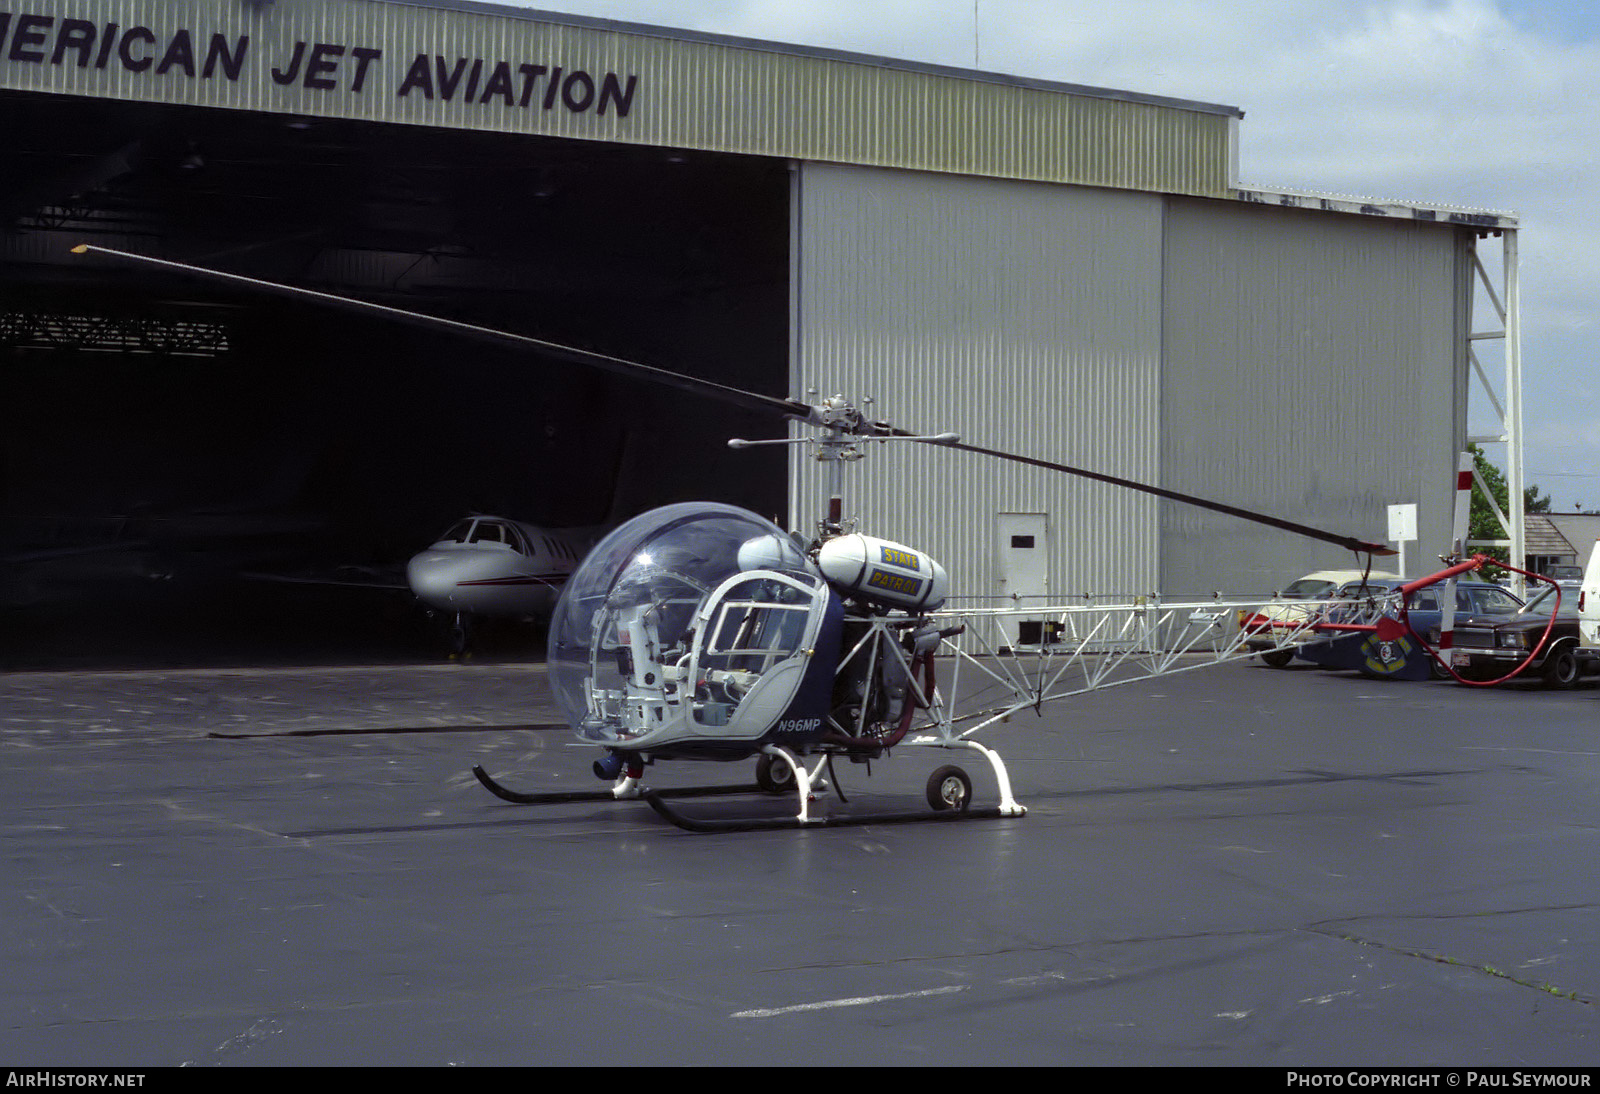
1483 103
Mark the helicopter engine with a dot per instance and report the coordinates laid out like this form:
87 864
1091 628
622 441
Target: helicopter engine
883 679
874 690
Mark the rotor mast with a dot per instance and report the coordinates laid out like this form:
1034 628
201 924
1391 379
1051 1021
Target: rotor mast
844 428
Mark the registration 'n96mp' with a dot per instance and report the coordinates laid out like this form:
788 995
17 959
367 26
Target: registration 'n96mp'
797 726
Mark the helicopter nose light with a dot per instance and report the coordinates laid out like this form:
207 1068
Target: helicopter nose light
609 766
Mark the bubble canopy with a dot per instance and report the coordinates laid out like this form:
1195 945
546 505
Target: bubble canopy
650 576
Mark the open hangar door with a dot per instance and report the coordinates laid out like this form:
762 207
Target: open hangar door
175 447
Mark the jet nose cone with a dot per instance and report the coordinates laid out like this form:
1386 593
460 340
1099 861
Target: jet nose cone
432 577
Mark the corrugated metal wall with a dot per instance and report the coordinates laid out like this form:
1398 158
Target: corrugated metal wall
1312 370
1026 317
1307 365
558 76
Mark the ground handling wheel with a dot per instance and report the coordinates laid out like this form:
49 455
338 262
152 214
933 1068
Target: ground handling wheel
949 788
774 775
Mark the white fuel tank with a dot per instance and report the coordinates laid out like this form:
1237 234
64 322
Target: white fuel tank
884 573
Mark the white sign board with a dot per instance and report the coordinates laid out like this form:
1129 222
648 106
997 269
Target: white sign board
1402 523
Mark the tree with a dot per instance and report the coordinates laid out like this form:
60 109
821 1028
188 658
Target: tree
1483 524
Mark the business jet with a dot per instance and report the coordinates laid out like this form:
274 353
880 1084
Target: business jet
495 567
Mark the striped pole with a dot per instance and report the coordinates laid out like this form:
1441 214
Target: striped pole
1458 547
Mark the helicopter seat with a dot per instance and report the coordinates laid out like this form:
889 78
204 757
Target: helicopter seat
772 694
752 649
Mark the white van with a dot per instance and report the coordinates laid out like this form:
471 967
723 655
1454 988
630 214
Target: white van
1589 601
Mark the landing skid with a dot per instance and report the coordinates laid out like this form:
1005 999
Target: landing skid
758 824
949 798
949 795
621 792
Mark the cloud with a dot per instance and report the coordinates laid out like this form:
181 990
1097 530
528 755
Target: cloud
1354 97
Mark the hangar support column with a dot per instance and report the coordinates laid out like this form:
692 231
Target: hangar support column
1506 426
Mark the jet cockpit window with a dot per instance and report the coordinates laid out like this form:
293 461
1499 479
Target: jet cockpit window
488 531
458 533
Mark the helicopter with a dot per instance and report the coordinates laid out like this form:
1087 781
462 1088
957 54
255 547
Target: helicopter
703 632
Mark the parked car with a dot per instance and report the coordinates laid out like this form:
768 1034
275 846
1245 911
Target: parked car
1400 656
1489 647
1570 578
1272 620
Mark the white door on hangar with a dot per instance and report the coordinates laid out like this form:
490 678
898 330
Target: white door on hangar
1024 554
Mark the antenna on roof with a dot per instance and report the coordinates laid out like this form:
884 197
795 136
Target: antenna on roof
975 63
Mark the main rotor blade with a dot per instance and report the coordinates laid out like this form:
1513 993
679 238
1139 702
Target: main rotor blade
789 408
749 400
1348 542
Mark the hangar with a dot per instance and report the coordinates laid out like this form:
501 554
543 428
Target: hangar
1066 272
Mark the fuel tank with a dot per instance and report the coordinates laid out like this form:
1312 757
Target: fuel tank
883 573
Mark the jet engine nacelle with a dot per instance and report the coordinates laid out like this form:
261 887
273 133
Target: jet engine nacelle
884 573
